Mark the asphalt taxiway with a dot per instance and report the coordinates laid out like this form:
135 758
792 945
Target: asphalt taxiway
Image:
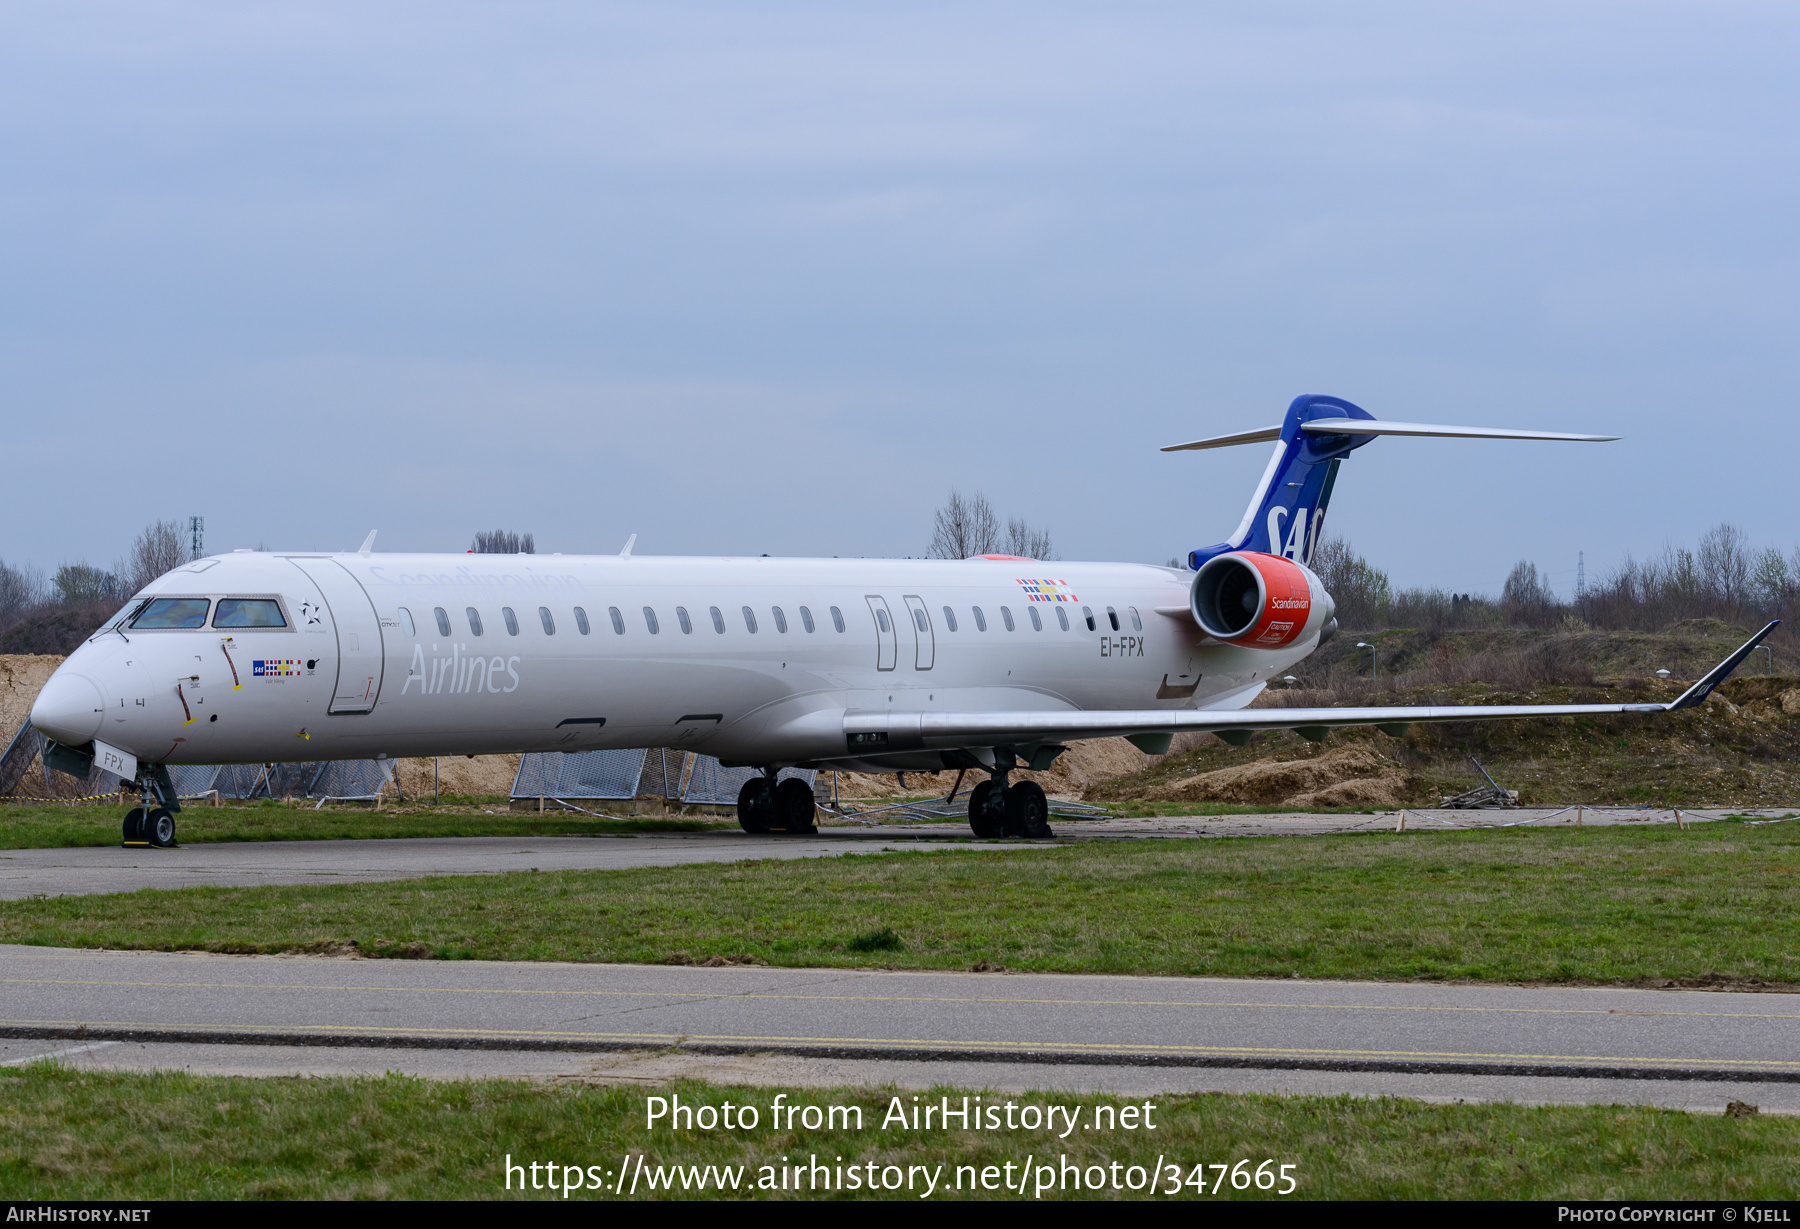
94 869
628 1023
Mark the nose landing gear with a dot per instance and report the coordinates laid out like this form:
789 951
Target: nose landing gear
766 806
152 825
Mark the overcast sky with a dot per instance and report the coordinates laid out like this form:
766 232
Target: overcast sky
761 278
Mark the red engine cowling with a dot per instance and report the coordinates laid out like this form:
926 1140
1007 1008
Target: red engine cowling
1256 600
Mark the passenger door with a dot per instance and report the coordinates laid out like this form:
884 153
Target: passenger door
886 646
359 652
924 639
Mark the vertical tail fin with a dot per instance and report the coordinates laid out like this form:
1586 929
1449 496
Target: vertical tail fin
1287 513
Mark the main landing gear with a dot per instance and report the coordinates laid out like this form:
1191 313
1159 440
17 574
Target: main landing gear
767 806
152 825
997 810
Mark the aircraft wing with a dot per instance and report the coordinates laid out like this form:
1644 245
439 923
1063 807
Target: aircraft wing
878 732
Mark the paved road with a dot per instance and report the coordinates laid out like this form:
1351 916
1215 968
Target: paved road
79 872
71 872
1407 1038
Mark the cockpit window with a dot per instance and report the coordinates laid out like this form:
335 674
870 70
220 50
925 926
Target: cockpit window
172 612
248 612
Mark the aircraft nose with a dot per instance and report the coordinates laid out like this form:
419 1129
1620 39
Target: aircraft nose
69 708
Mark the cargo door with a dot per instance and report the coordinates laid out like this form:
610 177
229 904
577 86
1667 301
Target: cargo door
886 644
924 639
358 634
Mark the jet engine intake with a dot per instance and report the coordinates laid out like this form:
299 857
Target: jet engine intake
1257 600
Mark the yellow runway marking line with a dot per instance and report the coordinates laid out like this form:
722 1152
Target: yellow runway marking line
903 998
1148 1051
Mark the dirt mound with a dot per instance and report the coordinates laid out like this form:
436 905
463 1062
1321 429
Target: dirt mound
22 676
482 776
1342 777
1084 765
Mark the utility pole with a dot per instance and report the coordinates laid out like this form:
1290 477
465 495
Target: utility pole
1580 576
197 536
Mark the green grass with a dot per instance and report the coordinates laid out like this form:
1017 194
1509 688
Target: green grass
50 827
94 1135
1590 905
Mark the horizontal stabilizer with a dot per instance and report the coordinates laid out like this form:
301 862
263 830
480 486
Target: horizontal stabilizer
1371 426
1261 435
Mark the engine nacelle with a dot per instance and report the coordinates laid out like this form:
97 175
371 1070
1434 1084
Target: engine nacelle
1258 601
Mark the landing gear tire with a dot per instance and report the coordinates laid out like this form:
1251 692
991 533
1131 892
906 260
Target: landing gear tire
756 804
134 827
1027 810
794 807
985 818
159 829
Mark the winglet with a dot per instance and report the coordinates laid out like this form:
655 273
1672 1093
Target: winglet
368 543
629 543
1719 673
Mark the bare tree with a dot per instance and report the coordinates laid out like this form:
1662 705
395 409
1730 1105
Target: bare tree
504 542
82 584
965 527
160 548
1724 557
20 590
1362 592
1022 539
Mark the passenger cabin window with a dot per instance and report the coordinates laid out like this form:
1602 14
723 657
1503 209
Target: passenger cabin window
406 623
1037 624
1062 617
650 621
806 619
262 612
443 620
581 623
919 620
1137 624
749 620
949 618
474 621
882 619
980 619
687 625
1112 616
1006 617
546 620
618 620
718 620
512 620
780 619
837 618
173 612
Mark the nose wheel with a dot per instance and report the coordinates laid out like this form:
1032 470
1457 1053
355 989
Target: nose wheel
149 828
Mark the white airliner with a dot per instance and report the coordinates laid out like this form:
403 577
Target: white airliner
992 663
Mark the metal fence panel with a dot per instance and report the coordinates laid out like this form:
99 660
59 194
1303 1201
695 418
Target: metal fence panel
350 779
711 781
579 774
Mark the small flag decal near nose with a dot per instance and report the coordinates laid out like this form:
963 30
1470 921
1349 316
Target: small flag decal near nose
275 668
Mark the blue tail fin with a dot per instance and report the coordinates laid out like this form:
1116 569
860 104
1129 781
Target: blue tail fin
1287 513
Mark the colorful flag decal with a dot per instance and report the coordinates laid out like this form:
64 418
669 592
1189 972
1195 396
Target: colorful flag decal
275 668
1047 591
